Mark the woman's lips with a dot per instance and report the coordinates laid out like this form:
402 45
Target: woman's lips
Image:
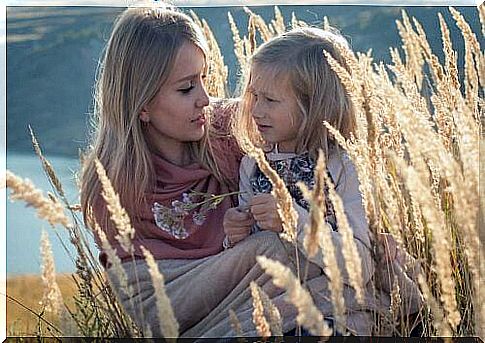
200 120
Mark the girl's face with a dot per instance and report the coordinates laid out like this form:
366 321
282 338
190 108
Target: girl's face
176 114
274 108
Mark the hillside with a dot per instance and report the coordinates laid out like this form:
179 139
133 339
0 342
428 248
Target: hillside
52 55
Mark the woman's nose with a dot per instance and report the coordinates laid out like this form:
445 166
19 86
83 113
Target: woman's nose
203 99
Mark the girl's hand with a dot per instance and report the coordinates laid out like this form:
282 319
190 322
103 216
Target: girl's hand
237 225
264 210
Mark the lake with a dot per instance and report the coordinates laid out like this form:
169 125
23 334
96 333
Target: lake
24 227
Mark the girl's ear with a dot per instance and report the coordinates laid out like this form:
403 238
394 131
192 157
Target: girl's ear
144 115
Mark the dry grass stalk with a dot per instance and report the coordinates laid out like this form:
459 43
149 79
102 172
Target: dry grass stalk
351 255
295 22
316 197
217 71
166 317
48 209
481 13
118 214
286 211
52 298
258 24
414 59
319 234
308 314
278 23
259 320
395 300
439 322
474 62
238 43
440 243
450 56
46 165
114 260
273 313
326 23
235 323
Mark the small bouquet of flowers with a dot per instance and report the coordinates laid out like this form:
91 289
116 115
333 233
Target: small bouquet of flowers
198 204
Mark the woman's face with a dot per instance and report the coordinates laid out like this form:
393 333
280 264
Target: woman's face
176 114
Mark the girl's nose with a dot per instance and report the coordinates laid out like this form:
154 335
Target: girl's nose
257 111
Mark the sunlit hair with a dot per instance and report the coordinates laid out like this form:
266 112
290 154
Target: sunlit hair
297 57
136 63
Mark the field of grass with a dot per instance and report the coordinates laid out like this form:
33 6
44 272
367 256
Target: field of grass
29 290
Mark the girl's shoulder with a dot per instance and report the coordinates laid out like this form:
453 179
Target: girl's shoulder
341 167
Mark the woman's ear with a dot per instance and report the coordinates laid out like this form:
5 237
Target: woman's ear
144 115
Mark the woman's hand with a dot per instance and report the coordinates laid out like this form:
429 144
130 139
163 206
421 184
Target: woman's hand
237 225
264 210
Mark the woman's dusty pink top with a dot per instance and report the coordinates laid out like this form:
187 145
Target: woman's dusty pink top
171 182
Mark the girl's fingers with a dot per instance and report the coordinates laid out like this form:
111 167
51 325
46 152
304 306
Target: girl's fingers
262 209
260 199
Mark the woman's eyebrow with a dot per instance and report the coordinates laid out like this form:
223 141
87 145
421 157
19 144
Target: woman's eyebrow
187 78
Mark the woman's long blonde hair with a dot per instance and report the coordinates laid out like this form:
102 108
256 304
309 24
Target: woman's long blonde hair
136 62
298 56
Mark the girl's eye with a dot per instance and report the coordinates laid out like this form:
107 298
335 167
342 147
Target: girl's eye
187 89
270 99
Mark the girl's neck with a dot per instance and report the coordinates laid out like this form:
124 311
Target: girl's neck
280 148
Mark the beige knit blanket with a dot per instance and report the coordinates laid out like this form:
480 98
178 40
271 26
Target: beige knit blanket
203 291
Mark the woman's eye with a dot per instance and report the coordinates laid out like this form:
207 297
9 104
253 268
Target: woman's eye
187 89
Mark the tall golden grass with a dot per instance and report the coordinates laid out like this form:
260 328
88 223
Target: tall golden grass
416 150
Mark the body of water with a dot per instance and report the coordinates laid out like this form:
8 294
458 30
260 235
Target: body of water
24 227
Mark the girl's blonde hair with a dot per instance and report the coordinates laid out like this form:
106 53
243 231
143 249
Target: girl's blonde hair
136 63
298 57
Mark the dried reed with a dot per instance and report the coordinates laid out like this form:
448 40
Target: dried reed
308 314
52 298
118 214
166 317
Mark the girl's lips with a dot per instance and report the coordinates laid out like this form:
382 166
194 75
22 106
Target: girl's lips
263 128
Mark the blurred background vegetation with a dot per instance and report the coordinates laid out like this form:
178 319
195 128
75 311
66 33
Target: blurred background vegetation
52 54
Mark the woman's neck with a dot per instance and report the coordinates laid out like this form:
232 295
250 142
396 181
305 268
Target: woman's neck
178 155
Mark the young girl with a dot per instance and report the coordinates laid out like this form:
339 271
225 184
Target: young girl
291 91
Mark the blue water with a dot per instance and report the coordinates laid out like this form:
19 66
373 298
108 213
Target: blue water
23 226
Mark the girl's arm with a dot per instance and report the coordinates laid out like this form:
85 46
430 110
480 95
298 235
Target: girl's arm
347 187
245 171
